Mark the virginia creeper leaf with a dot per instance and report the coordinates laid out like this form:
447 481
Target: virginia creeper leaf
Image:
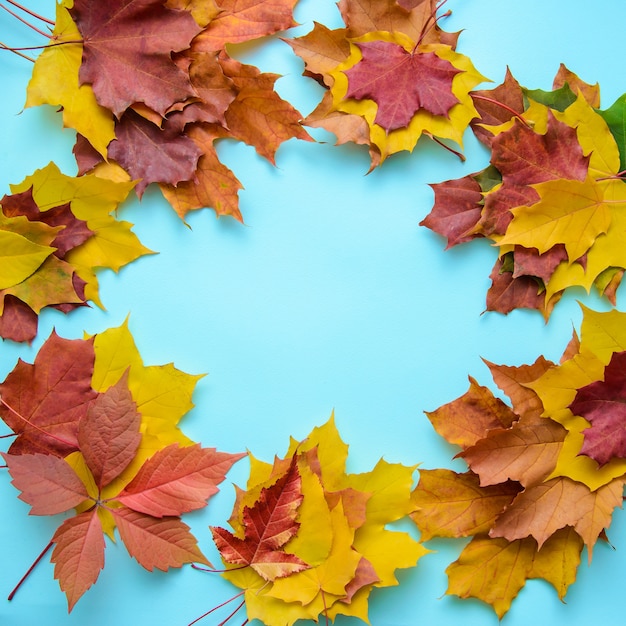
78 554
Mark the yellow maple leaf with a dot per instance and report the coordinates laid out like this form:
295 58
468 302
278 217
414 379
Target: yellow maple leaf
92 199
570 212
55 81
19 257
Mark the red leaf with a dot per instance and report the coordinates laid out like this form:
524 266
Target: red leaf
109 435
18 321
48 483
401 82
152 154
457 209
51 395
268 526
603 403
78 555
127 52
160 543
176 480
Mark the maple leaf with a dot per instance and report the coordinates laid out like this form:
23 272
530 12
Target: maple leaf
603 404
332 529
391 74
551 197
122 73
239 21
386 74
54 81
44 402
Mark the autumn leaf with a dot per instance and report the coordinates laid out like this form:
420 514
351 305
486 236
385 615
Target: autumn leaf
323 531
392 76
603 404
550 199
541 484
127 47
268 526
386 74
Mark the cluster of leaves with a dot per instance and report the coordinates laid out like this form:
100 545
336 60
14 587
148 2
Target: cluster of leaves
149 87
96 430
552 198
310 539
55 232
392 75
545 474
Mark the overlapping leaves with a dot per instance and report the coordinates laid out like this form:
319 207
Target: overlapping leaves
309 539
149 87
96 430
552 199
392 75
544 474
56 231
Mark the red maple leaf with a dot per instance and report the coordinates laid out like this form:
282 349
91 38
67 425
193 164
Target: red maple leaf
268 526
44 402
401 83
603 404
127 47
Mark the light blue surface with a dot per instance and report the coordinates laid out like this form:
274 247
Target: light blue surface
330 297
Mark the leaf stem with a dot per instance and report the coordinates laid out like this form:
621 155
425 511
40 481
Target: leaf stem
41 430
446 146
428 26
3 46
30 569
48 45
477 96
219 606
215 571
32 13
26 22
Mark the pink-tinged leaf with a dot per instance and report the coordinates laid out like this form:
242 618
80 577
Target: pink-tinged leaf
603 404
160 543
152 154
78 554
46 482
176 480
457 209
48 398
268 525
401 83
109 435
127 52
18 321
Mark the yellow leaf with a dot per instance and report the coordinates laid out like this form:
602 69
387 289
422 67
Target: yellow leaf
570 212
19 258
594 137
55 81
492 570
93 199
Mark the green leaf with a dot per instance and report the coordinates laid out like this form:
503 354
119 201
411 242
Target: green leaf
615 117
558 99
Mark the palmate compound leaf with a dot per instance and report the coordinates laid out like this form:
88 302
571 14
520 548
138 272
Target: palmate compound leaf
172 482
340 532
532 497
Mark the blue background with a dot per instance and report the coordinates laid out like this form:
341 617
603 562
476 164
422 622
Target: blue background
330 297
